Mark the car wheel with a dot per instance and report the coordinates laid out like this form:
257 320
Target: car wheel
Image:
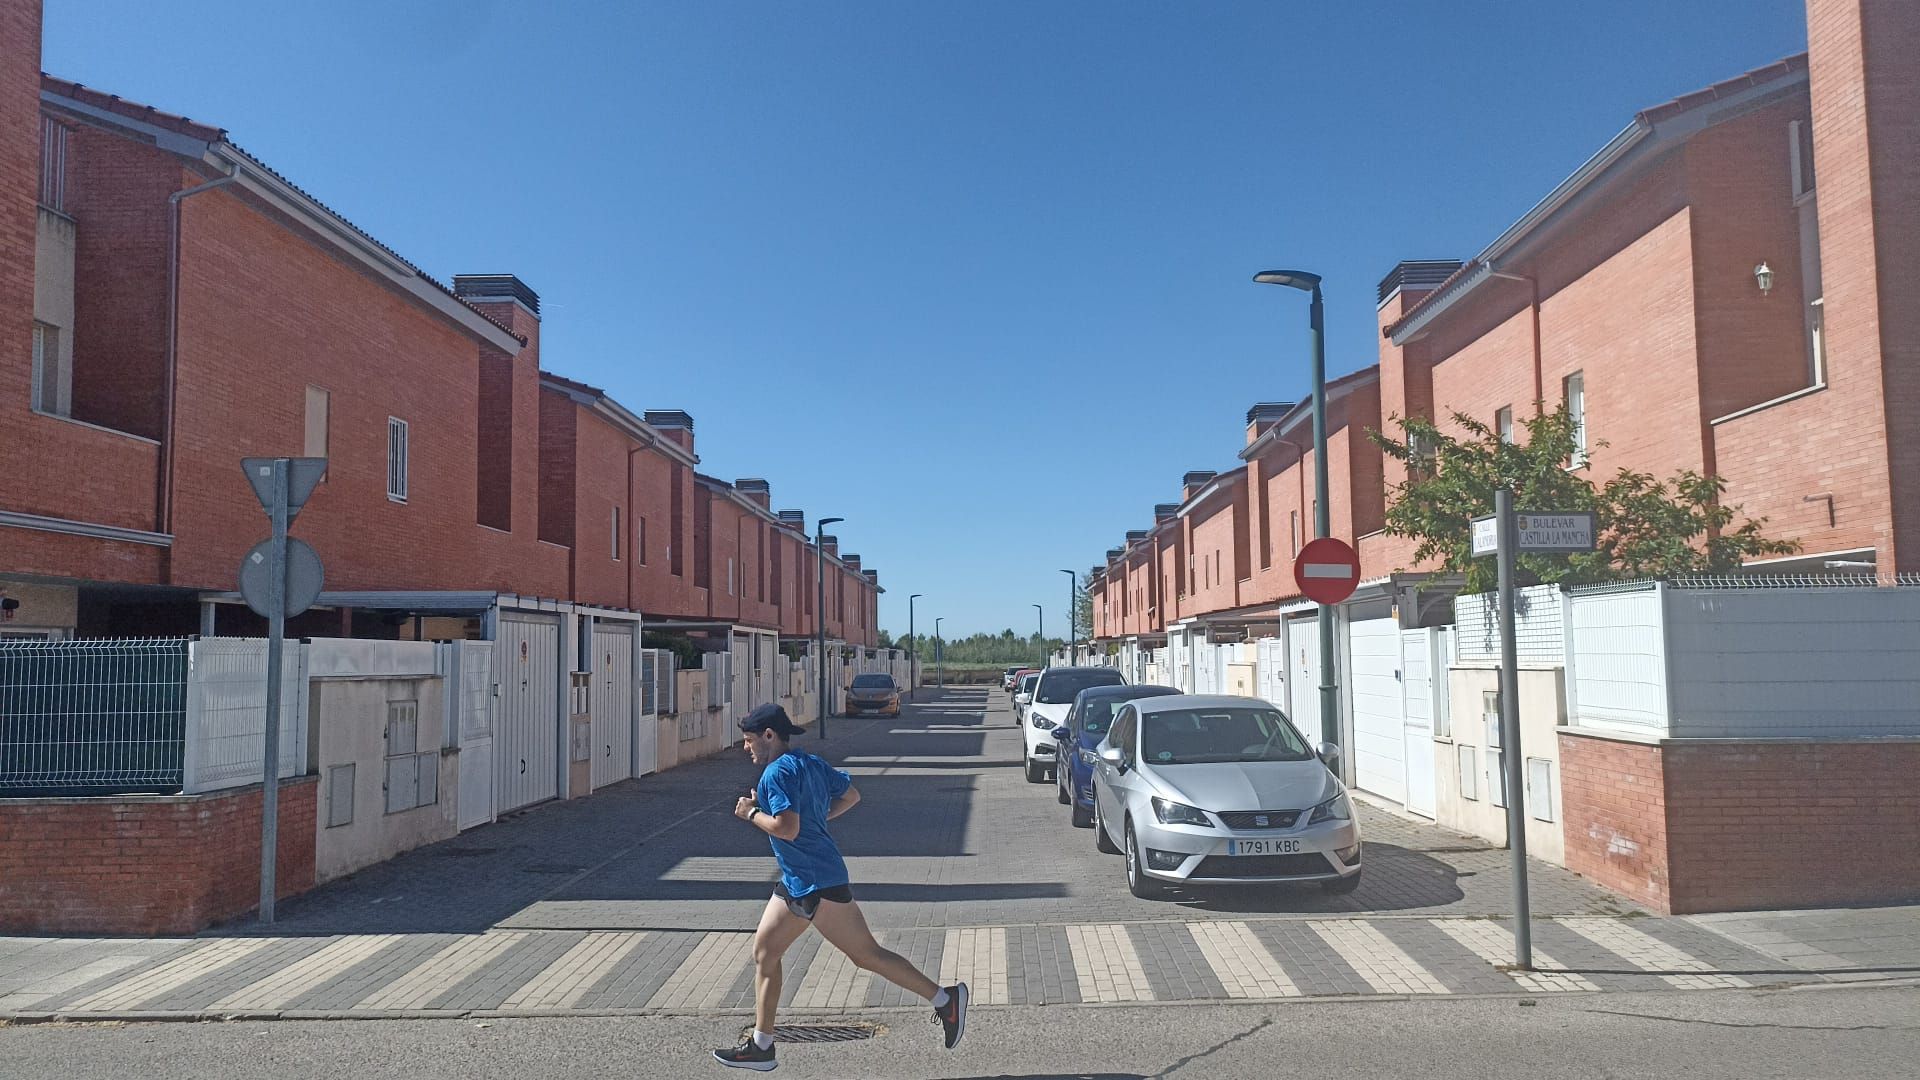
1342 886
1138 883
1082 817
1036 773
1060 787
1101 840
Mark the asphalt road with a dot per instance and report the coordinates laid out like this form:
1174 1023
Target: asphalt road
1860 1033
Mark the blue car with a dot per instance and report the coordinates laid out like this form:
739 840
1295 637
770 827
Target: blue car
1080 733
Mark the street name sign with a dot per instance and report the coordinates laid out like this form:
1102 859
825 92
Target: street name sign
1568 530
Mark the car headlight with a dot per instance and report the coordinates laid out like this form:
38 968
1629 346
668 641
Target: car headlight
1173 813
1338 808
1043 723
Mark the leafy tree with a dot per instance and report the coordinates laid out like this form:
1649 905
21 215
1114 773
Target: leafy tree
1082 606
1645 527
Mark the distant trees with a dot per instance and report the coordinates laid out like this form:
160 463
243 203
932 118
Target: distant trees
1004 648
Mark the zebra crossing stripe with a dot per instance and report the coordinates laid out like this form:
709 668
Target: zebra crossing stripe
1494 944
1244 965
440 972
567 980
977 956
832 982
1650 954
170 976
1385 966
1106 964
704 977
286 985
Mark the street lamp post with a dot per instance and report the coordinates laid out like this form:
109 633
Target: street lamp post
820 611
913 673
1309 282
1073 620
1042 635
939 654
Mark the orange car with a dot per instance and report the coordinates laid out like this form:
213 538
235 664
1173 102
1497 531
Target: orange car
873 693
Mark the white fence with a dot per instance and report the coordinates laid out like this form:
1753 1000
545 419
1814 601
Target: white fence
227 712
1539 627
1714 663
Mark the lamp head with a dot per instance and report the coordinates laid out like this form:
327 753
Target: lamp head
1763 276
824 522
1304 280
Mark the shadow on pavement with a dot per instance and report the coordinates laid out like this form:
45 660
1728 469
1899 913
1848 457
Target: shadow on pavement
1396 879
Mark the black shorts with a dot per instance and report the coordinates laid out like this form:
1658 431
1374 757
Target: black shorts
805 906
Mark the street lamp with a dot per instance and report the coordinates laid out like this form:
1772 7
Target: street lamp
913 675
820 612
1042 635
939 654
1309 282
1073 620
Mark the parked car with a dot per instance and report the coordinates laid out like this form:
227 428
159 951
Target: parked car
874 692
1009 677
1080 735
1013 687
1053 695
1214 789
1023 694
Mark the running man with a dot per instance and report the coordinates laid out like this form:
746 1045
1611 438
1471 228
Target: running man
798 794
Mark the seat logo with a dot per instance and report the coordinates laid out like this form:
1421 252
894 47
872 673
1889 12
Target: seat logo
1260 821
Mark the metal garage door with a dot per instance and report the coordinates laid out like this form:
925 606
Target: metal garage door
1271 671
611 703
526 665
1379 718
741 674
470 685
1303 661
1417 655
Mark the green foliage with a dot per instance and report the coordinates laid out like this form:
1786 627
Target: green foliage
686 654
1003 649
1646 527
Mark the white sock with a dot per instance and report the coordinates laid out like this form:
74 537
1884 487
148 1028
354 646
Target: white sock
940 998
761 1039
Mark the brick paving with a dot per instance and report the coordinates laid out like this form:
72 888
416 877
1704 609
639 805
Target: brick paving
643 897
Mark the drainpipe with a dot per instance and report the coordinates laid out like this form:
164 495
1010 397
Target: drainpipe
1539 373
163 478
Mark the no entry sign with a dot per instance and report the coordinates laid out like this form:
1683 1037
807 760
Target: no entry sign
1327 571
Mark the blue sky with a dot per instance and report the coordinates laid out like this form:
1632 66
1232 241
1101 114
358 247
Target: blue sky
973 276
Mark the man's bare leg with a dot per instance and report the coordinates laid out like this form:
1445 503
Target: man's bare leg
779 929
846 929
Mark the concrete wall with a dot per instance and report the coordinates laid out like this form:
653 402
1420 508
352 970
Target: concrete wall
349 722
1541 717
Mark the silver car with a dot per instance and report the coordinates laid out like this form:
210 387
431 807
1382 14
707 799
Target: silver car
1205 789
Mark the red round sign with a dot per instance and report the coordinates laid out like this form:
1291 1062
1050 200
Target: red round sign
1327 571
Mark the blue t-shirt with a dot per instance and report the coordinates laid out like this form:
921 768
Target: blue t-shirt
807 785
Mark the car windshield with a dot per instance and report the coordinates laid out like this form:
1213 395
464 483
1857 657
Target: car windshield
873 682
1059 688
1201 736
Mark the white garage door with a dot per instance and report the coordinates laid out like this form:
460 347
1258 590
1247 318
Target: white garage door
611 703
1417 654
1379 721
526 665
1303 662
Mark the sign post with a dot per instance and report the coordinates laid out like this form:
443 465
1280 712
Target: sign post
276 585
1327 571
1505 535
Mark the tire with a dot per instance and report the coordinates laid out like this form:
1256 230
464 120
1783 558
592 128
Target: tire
1036 773
1103 843
1343 886
1082 818
1138 883
1060 787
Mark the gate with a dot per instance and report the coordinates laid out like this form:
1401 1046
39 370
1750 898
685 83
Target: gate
526 665
1417 652
1379 708
741 674
1303 666
611 705
1271 664
469 694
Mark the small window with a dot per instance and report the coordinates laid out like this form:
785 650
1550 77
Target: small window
1293 530
396 459
1576 393
53 164
640 540
319 419
729 575
1503 423
615 534
52 378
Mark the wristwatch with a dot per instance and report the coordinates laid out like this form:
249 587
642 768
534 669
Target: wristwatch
751 811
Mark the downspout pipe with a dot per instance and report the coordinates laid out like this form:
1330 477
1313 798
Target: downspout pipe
163 481
1539 369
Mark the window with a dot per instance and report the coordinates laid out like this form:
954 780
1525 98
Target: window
1503 424
615 534
396 459
640 540
52 377
1420 448
729 575
1293 531
1807 207
319 419
413 776
1575 388
676 525
53 164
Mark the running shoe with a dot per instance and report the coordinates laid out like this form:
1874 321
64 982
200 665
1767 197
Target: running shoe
953 1015
747 1056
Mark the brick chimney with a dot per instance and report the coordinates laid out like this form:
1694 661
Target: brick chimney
505 299
1136 535
796 519
872 576
1406 371
852 561
1164 512
831 545
1262 417
756 490
1191 483
674 424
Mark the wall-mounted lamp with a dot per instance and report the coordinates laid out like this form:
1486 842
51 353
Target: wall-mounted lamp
1763 276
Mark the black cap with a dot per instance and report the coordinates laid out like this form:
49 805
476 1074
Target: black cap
770 717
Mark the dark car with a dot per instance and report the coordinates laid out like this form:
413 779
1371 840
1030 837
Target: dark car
1079 736
1008 677
873 693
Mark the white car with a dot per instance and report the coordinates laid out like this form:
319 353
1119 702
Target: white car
1053 695
1023 695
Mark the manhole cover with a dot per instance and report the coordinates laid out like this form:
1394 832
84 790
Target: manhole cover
823 1033
551 868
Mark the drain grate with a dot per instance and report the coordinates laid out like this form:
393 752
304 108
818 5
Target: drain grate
823 1033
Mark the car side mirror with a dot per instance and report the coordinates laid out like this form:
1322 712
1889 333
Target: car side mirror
1114 756
1328 754
1062 733
1022 699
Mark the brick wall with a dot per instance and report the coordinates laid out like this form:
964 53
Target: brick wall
1732 826
19 182
146 865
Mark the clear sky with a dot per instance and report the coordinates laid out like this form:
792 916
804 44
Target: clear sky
972 275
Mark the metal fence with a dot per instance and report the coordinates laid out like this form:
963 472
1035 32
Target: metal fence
1539 627
92 717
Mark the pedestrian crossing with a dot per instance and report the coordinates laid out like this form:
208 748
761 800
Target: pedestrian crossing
543 971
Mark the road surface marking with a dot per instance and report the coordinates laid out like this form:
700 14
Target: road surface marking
440 972
704 977
170 976
1245 966
567 980
1106 964
1494 944
978 957
31 987
1385 966
1650 954
282 987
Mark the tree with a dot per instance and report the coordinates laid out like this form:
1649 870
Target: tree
885 640
1082 606
1644 527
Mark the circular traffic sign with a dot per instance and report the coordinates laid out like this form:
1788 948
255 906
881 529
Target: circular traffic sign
303 578
1327 571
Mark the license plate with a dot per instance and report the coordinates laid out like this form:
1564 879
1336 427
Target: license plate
1263 847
